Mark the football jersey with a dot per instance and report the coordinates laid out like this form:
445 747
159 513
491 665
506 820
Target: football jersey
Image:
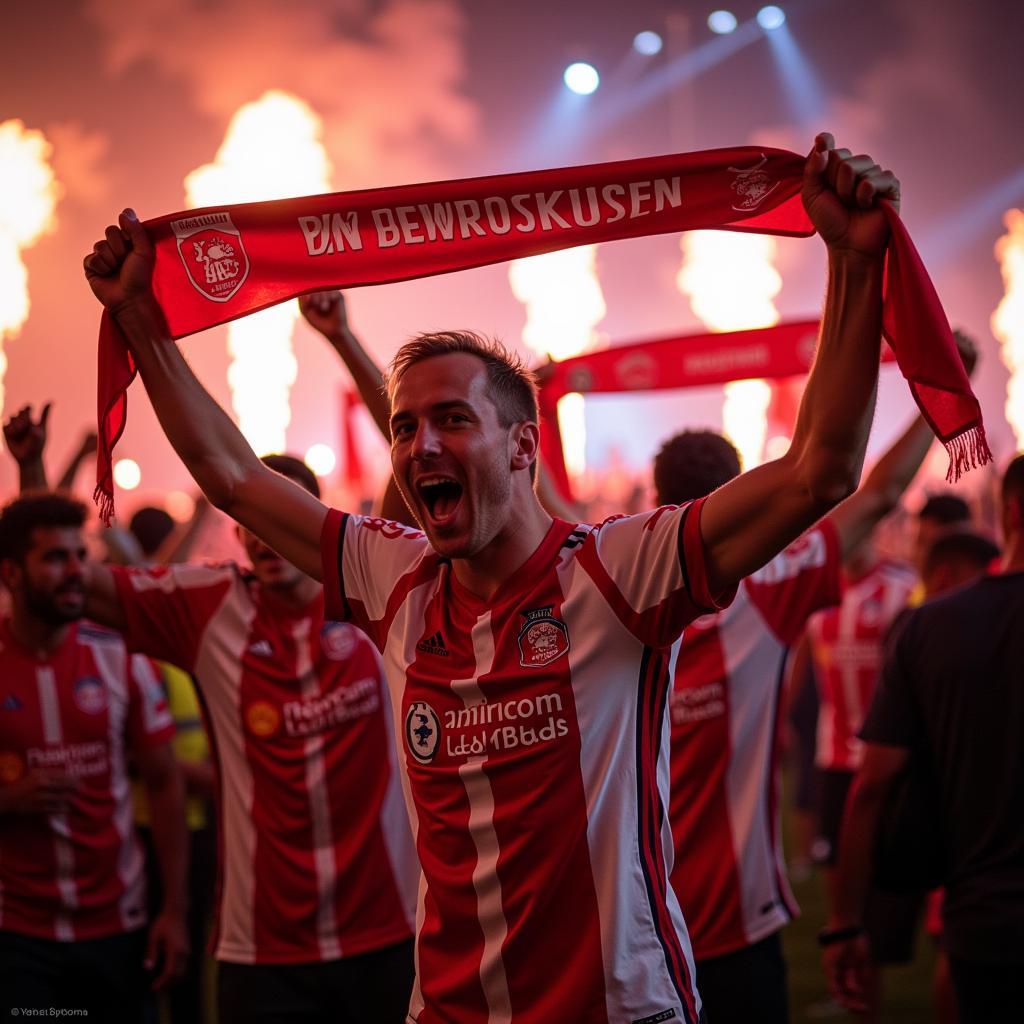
846 646
315 855
728 872
79 873
535 735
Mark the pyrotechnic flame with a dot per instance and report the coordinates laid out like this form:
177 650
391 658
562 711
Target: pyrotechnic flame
564 305
1008 319
28 199
730 281
272 150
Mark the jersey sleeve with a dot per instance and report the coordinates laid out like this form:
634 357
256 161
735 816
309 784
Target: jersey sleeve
652 570
369 565
149 714
801 579
167 609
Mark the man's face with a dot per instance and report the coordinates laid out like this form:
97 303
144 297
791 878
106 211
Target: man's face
50 582
271 570
450 454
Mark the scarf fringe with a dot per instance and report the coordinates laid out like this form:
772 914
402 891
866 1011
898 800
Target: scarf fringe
968 450
104 500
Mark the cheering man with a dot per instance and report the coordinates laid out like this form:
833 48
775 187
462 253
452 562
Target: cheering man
527 657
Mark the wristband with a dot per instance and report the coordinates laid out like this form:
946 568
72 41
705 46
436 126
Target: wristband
830 938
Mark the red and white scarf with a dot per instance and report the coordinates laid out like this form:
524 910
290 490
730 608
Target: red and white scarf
220 263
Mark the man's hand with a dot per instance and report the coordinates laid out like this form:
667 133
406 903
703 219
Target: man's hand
37 792
25 437
841 194
847 966
326 313
967 349
120 267
167 948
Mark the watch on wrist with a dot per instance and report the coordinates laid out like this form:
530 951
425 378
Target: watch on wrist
830 938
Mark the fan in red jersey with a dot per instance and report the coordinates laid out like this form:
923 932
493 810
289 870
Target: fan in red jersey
73 707
317 871
729 874
528 658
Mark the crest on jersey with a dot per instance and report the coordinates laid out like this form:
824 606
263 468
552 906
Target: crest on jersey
422 731
262 718
752 186
211 250
543 638
90 695
337 640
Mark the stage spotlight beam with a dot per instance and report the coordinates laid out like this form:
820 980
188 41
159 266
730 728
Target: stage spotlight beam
722 22
581 78
771 18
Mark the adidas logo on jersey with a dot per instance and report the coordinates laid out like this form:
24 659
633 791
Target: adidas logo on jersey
262 648
433 645
11 703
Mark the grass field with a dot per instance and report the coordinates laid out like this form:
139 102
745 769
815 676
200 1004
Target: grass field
907 995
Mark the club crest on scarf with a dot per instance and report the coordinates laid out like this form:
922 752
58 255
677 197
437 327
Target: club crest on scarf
752 185
211 250
542 639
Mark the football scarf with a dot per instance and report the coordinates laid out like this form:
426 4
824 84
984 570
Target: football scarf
220 263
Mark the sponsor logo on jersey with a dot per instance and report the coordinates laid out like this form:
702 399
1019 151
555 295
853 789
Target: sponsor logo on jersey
434 645
262 718
543 638
12 767
11 703
337 640
212 252
422 731
90 695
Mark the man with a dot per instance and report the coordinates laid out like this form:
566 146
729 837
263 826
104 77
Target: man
951 695
73 708
317 868
526 657
729 873
939 515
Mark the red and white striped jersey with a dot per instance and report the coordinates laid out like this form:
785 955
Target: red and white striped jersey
535 733
315 855
728 871
78 874
846 645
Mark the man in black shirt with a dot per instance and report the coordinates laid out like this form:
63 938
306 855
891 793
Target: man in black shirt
953 690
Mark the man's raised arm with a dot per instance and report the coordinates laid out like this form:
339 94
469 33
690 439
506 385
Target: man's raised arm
753 517
282 514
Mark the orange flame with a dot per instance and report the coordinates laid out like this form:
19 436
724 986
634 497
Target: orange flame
1008 319
272 150
730 281
564 305
28 202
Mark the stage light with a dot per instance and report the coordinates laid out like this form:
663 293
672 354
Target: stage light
771 17
722 22
647 43
581 78
127 474
321 459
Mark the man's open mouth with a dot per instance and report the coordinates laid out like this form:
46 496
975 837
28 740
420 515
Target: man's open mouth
440 496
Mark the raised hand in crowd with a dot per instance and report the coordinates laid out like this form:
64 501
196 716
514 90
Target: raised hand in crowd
25 438
86 447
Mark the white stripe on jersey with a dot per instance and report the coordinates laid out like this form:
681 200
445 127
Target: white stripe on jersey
53 732
629 940
481 827
223 703
319 804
